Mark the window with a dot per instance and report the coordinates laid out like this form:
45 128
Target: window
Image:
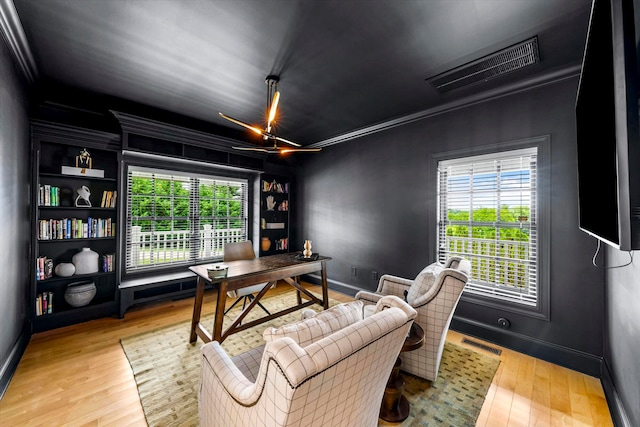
488 214
180 218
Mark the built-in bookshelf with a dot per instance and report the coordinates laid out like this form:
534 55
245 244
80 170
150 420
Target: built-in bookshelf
274 214
76 205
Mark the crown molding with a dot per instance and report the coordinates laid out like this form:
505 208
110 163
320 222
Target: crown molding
16 40
507 90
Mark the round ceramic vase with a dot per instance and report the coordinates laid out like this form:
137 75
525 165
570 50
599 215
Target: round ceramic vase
80 294
86 261
65 269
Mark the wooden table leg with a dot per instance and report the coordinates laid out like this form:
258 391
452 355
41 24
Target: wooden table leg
325 291
197 310
299 296
395 407
219 317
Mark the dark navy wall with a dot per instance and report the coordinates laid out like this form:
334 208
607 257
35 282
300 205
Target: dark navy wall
370 204
15 178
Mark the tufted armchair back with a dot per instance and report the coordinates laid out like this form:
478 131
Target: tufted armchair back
327 370
434 293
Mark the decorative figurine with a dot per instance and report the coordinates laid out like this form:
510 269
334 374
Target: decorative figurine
271 203
307 249
84 160
82 201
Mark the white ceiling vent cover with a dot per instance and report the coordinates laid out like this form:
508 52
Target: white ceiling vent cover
489 67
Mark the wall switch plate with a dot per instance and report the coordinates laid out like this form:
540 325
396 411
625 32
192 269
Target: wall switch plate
354 271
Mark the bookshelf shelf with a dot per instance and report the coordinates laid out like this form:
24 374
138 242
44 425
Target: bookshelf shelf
80 239
55 215
274 214
76 177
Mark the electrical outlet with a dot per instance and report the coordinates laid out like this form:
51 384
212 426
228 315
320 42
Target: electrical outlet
354 271
374 275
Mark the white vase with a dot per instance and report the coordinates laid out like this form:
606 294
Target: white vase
86 261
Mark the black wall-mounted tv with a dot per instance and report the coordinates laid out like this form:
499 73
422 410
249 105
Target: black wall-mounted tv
607 125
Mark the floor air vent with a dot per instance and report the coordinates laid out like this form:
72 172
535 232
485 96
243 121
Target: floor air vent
493 350
489 67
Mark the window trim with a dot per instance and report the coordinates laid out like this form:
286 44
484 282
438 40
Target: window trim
542 309
203 169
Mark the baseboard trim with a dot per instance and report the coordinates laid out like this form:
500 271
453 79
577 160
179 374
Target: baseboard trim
343 288
616 408
554 353
11 364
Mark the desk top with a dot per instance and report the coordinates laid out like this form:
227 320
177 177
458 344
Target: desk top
279 265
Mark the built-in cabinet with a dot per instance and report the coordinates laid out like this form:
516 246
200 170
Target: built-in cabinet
75 200
274 214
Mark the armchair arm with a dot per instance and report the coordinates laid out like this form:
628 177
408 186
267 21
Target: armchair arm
368 297
218 366
393 285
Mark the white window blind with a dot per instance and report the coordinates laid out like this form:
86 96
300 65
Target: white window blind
179 218
487 213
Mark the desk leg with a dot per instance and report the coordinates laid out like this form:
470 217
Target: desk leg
325 291
197 309
298 295
219 318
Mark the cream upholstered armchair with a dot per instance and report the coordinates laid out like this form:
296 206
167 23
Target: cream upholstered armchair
327 370
434 293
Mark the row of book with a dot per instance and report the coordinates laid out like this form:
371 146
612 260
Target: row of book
48 195
109 199
282 244
108 262
44 303
75 228
275 187
44 266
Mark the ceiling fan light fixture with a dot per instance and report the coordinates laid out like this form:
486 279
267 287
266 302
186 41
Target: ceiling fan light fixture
273 98
274 106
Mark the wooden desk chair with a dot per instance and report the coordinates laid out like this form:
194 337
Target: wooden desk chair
238 251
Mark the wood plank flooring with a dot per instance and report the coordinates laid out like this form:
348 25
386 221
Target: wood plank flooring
79 376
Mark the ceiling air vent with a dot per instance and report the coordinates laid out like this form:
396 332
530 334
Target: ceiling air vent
489 67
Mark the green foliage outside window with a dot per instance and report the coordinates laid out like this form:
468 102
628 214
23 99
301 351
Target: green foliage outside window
488 242
220 205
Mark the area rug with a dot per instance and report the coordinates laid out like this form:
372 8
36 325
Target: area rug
166 369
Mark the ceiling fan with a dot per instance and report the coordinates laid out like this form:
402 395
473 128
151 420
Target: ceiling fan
268 133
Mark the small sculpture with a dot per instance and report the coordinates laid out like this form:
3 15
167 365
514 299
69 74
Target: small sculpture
307 249
82 200
84 160
270 203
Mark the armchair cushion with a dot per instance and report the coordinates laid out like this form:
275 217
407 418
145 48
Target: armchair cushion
319 326
423 284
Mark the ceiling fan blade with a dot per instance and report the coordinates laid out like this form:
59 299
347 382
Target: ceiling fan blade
243 124
297 150
295 144
262 150
273 109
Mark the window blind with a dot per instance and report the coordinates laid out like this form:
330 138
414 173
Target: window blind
178 218
487 213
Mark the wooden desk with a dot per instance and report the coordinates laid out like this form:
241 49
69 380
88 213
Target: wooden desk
245 273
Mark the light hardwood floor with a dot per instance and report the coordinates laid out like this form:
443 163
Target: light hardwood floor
79 376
